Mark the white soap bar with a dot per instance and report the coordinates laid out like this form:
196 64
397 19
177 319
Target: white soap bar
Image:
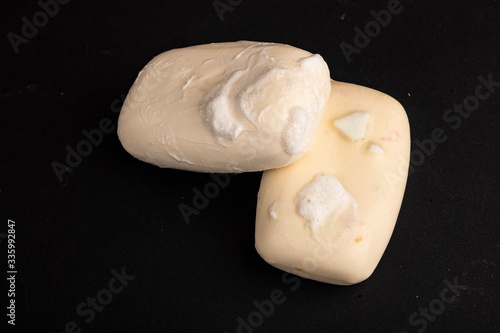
225 107
329 216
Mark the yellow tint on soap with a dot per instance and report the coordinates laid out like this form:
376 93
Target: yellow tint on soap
367 162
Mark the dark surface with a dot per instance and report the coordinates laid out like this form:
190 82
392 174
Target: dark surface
113 211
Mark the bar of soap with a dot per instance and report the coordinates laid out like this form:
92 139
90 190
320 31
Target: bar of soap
329 216
225 107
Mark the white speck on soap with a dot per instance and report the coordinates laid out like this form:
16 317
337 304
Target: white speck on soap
376 149
188 82
353 125
272 211
322 197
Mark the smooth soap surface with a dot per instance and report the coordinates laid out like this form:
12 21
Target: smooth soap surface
225 107
329 216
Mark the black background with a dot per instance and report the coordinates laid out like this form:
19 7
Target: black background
113 211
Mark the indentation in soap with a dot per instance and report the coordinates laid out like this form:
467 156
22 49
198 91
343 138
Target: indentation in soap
273 211
353 125
376 149
323 197
258 96
188 82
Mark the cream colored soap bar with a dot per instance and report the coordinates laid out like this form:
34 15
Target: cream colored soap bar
225 107
329 217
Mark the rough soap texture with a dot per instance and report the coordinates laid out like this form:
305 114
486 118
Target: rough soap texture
226 107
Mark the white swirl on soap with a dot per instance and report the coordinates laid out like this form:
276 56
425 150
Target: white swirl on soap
219 111
247 97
